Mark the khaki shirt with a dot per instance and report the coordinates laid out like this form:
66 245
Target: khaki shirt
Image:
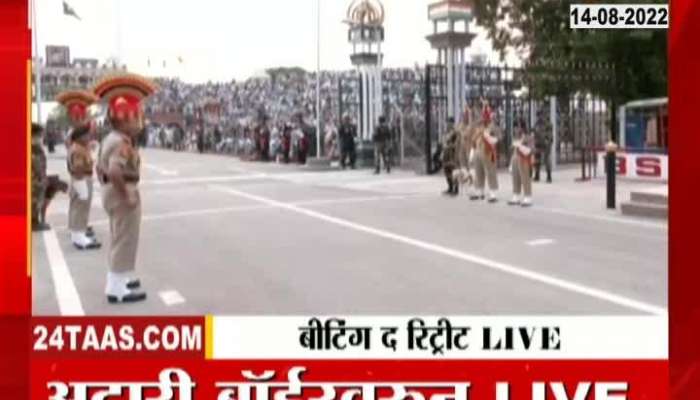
524 149
80 162
118 151
464 143
478 137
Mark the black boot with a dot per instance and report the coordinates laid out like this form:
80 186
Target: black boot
450 188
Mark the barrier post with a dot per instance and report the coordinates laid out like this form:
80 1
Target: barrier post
611 172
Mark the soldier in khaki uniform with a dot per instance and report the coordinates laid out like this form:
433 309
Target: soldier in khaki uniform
484 140
80 167
118 169
465 130
521 167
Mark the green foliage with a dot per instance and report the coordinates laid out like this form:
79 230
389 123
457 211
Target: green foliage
538 31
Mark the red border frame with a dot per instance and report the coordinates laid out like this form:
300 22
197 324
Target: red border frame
684 275
15 282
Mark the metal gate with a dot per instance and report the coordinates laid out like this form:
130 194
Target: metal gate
555 100
435 97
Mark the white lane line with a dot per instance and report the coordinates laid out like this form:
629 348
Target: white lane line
162 171
540 242
205 179
171 297
66 294
235 209
481 261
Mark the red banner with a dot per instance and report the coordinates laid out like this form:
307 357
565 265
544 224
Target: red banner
590 380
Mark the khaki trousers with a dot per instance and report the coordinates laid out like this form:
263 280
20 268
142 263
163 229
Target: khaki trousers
522 176
485 171
124 230
79 210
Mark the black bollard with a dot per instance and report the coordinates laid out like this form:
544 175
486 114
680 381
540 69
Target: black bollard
611 173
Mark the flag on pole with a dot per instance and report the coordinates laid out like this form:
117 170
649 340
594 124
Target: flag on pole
69 11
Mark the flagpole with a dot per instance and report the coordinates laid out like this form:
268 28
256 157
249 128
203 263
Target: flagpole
37 66
118 30
318 78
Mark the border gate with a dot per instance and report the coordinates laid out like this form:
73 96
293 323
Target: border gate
555 100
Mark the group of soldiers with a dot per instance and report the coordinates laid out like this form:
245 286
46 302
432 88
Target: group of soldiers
117 169
381 138
469 158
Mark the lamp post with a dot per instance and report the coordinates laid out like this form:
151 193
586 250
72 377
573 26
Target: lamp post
37 65
318 78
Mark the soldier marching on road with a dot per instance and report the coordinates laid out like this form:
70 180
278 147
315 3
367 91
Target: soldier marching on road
485 139
80 167
521 167
118 168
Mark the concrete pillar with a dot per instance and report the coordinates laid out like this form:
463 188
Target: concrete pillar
450 81
365 102
555 131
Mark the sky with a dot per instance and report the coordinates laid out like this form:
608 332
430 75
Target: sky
220 40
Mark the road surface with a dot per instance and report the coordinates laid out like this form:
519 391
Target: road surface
222 236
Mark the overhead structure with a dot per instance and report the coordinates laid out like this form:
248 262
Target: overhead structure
451 37
366 34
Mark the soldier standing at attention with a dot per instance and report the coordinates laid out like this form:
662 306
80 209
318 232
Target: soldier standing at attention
465 130
521 167
80 167
118 168
382 146
346 136
449 158
485 139
543 155
39 180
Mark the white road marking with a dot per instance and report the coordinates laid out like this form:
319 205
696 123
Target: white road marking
481 261
162 171
66 294
540 242
171 297
226 210
205 179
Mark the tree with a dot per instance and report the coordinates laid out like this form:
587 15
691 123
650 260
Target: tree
538 31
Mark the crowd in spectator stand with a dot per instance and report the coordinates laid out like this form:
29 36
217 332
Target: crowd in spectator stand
270 118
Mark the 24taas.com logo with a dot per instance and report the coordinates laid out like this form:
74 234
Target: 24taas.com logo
123 338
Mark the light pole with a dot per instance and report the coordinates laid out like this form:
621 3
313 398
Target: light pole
318 78
37 66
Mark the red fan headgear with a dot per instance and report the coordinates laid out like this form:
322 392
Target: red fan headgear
76 103
123 94
486 114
